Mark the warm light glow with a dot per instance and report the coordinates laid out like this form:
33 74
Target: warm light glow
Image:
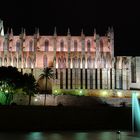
104 93
36 99
119 94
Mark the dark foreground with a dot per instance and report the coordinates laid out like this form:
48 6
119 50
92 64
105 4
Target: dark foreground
37 118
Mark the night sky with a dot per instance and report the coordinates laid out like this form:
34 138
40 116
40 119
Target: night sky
77 14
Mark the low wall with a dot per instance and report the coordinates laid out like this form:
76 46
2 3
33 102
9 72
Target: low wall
70 100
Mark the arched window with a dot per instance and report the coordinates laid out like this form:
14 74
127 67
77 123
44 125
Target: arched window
17 46
4 46
101 45
31 45
46 48
88 46
10 61
62 45
45 64
5 61
75 45
15 62
29 62
89 65
19 62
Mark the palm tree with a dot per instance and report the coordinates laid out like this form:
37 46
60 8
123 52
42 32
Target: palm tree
47 74
30 86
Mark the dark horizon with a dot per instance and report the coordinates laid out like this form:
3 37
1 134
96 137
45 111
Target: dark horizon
76 15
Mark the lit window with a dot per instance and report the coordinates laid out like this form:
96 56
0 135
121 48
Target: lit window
31 46
88 46
75 46
17 46
46 49
61 46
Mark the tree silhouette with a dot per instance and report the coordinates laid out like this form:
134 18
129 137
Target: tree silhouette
47 74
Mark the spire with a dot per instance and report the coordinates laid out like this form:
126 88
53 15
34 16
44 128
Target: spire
82 33
94 34
8 31
11 34
1 28
109 29
55 32
24 33
68 33
37 34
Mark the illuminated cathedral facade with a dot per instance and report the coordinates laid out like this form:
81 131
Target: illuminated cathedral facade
79 62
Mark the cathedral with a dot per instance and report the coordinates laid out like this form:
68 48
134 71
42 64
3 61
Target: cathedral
79 62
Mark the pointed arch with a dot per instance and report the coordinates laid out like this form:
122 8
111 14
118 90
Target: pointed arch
88 46
29 62
19 62
46 45
79 62
18 46
31 45
14 62
108 61
10 60
62 45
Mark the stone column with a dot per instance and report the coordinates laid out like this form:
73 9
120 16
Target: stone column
73 78
79 74
69 78
88 78
83 78
94 78
98 78
108 78
113 78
